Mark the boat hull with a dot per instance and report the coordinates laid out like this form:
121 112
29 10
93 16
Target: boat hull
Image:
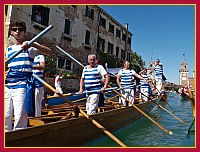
76 131
184 96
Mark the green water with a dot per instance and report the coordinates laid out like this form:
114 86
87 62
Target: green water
144 133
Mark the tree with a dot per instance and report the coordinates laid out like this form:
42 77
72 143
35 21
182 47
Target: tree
135 60
50 64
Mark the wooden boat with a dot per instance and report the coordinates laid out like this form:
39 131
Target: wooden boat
184 95
192 101
78 131
190 137
55 100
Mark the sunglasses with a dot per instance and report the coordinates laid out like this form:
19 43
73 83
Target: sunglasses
15 29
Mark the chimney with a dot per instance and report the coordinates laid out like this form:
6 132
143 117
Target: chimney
126 26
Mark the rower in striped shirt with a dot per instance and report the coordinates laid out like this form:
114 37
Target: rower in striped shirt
19 89
38 69
158 75
125 82
91 80
145 88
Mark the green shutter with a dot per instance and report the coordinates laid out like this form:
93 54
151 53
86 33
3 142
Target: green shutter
45 19
34 9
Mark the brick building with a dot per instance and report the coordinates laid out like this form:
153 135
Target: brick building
79 30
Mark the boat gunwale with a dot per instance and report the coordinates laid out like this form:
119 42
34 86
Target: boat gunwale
58 125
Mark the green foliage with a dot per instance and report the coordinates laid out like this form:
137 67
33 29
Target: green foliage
111 60
114 62
135 57
69 73
50 64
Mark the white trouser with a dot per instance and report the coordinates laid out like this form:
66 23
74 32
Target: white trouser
128 94
39 93
59 89
144 93
15 102
92 103
159 84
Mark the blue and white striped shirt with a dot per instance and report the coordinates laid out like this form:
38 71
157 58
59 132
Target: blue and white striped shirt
146 77
126 78
39 58
92 77
158 72
20 67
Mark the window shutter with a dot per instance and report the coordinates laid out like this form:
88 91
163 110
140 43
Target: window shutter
67 26
87 37
45 18
34 8
92 14
86 10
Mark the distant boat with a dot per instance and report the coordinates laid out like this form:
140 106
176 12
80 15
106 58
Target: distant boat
184 95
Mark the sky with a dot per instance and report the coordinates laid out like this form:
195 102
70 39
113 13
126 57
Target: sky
162 32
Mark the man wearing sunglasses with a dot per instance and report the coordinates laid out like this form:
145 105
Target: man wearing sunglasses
19 82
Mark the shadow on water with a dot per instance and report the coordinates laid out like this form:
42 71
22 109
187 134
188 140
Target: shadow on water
144 133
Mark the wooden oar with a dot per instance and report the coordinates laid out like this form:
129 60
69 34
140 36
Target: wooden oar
30 42
192 101
167 131
82 112
163 97
161 127
164 108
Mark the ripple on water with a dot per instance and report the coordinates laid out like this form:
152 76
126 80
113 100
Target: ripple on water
144 133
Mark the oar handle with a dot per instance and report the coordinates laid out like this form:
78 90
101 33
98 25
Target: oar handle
138 64
108 89
30 42
69 56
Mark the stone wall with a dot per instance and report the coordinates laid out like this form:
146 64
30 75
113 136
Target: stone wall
68 85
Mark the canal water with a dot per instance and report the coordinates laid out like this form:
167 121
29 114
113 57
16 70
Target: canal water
144 133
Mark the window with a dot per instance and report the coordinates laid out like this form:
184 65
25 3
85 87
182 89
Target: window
63 64
123 54
129 40
117 52
118 33
124 37
110 48
111 28
87 37
89 12
128 56
40 14
68 28
101 44
67 65
102 22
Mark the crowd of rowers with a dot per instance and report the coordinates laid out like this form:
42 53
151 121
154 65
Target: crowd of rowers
93 73
24 94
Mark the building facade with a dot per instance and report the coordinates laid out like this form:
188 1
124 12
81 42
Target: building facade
78 29
184 78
